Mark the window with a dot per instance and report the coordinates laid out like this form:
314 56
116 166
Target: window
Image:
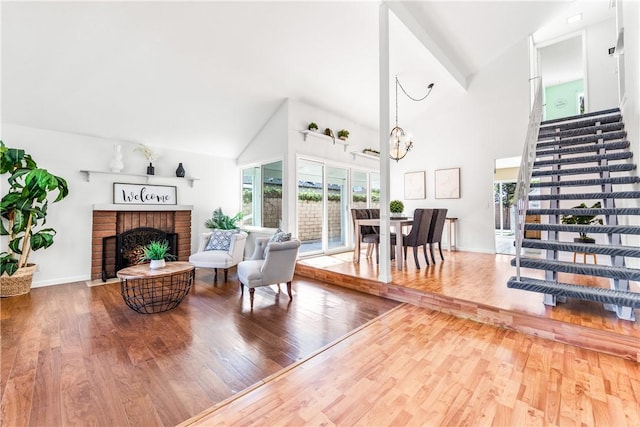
262 195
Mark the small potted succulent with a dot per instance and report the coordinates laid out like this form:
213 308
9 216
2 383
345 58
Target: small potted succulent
396 207
343 134
312 127
157 252
583 220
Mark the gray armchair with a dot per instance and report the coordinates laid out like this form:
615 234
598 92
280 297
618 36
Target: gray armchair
272 263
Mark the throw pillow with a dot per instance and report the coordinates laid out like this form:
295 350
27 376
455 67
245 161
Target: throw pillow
220 240
280 236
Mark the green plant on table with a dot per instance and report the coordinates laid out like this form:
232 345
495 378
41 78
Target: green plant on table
583 219
396 206
24 207
157 250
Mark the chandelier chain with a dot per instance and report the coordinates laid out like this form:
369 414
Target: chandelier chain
430 87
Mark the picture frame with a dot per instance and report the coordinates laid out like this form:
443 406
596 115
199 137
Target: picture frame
447 183
415 185
144 194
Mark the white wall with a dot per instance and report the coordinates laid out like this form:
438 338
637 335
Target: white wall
601 67
63 154
470 130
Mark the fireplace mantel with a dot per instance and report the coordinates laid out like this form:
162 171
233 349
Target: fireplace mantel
124 207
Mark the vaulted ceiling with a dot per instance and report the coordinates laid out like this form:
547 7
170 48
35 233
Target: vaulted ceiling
206 76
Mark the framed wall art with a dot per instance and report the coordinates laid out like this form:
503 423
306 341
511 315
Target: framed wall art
447 183
415 185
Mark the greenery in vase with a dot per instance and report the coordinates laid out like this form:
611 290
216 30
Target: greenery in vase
312 126
582 219
396 206
221 221
24 207
156 250
343 134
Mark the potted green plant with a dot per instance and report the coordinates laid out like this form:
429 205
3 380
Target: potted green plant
221 221
312 127
583 220
396 207
24 211
343 134
157 252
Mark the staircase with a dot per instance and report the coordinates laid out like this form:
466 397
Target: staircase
578 160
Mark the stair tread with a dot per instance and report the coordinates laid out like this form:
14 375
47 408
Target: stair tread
592 293
571 228
609 271
587 182
585 211
589 248
584 159
590 130
588 139
615 145
620 167
588 121
604 112
587 196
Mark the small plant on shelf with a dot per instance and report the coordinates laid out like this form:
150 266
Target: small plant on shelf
396 207
583 220
371 152
312 127
343 134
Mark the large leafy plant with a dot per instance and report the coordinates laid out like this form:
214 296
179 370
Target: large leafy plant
583 219
24 207
221 221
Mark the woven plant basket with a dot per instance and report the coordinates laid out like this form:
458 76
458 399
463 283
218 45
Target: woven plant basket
17 284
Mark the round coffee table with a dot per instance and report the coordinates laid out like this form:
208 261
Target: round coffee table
153 291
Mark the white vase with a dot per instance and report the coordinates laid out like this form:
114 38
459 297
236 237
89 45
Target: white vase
156 264
116 165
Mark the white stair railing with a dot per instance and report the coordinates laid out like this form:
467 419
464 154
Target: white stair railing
521 196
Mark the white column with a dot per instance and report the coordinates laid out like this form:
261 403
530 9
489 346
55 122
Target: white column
383 65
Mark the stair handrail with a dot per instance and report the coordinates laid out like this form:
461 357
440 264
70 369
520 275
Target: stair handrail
521 195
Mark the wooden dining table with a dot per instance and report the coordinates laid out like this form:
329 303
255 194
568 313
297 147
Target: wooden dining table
396 223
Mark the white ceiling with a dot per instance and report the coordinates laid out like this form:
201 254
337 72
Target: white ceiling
207 75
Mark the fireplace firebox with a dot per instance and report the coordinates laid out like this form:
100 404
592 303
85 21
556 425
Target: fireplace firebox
125 249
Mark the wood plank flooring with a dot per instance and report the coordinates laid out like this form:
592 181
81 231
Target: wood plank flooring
415 366
77 355
473 285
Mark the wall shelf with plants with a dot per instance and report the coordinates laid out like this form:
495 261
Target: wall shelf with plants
367 153
324 137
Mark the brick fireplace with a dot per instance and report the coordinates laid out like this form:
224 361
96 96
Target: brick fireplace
110 220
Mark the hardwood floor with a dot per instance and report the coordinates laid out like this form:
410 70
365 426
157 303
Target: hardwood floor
77 355
473 285
415 366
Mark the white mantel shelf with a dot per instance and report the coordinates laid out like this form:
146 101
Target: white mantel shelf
132 207
149 178
322 136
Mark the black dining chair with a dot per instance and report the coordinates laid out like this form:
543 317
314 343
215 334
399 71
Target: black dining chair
368 234
418 235
435 235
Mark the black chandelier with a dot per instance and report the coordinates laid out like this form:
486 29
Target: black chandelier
400 141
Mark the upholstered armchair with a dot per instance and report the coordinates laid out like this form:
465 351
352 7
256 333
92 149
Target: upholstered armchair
219 249
272 263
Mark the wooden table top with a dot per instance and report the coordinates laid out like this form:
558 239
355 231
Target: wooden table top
143 270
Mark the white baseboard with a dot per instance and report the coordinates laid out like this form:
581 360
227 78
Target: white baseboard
60 281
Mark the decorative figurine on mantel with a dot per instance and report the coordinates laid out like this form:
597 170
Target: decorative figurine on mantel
150 155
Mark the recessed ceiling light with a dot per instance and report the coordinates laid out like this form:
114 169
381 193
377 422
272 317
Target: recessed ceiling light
574 18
